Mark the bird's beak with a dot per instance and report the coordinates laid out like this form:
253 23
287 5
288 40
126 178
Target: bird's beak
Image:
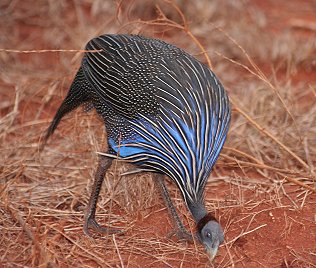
212 252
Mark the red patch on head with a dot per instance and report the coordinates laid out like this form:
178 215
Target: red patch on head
208 217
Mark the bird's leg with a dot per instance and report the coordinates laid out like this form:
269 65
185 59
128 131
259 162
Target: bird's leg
181 232
89 219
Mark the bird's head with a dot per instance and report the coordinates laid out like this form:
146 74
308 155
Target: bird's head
210 234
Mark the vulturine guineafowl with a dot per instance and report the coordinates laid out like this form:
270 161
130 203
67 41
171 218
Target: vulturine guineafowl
164 111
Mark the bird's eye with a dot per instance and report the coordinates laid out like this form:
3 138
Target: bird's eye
209 235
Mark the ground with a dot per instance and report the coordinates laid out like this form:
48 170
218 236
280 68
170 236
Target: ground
262 189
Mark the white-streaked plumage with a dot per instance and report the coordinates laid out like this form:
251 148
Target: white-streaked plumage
164 110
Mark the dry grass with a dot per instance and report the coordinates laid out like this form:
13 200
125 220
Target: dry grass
268 162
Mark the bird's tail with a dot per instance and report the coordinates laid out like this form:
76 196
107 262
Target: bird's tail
80 92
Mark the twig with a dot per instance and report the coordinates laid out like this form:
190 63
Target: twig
246 233
118 251
267 133
299 183
48 50
100 260
259 73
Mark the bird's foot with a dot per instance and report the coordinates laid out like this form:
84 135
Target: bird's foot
91 222
181 234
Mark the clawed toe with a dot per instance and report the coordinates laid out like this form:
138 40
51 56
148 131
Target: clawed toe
92 223
181 235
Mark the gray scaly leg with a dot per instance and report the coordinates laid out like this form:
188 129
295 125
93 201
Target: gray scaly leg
181 232
89 219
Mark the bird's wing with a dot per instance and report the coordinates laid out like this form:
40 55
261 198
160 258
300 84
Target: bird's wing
123 69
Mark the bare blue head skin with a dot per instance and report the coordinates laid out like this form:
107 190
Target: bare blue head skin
209 231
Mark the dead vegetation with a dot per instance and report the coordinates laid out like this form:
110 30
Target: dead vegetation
262 188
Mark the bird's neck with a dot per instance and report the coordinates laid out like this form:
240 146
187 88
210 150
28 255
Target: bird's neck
198 211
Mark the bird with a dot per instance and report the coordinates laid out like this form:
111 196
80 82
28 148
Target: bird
164 111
